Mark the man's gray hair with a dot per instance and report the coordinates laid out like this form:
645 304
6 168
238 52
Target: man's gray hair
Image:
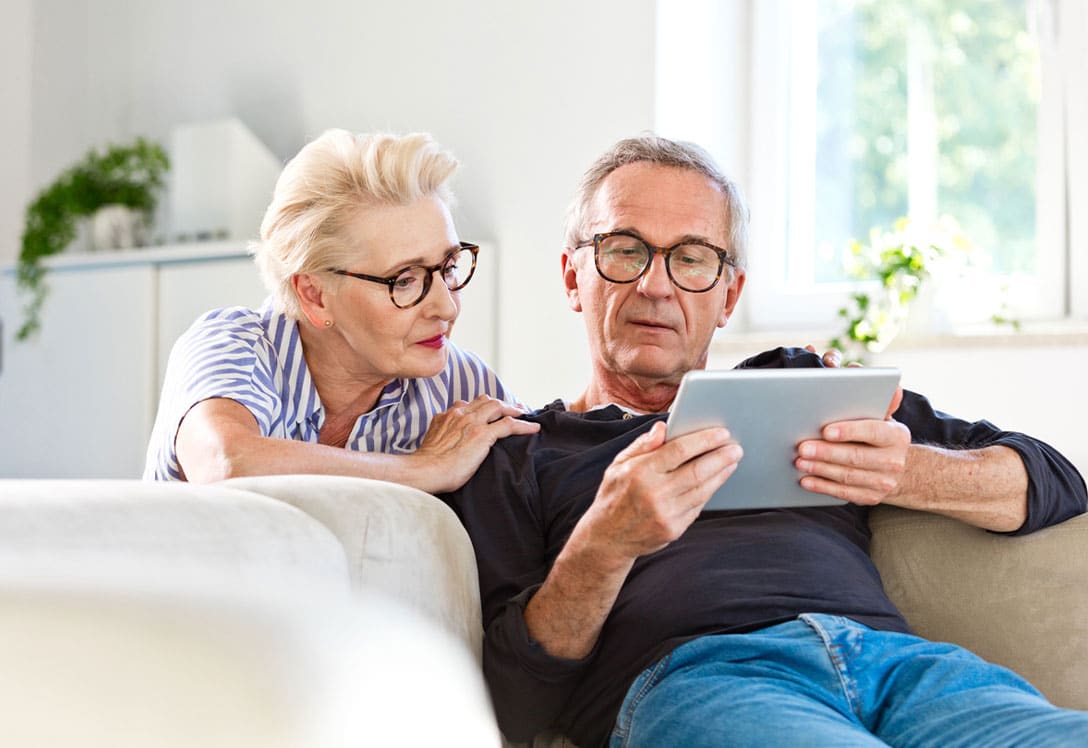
655 149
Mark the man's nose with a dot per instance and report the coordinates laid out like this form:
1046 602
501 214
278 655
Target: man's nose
655 281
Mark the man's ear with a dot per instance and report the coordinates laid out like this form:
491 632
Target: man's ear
570 279
732 296
312 299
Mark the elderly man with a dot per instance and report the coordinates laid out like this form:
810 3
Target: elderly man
616 609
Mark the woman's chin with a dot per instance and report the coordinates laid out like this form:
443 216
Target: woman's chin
429 364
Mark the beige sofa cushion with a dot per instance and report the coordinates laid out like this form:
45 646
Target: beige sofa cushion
71 527
1018 601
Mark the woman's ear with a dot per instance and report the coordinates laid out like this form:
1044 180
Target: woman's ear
312 298
570 279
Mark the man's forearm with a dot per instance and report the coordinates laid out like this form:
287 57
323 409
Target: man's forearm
984 487
567 613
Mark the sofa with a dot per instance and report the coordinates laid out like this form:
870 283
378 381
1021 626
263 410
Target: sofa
317 610
339 613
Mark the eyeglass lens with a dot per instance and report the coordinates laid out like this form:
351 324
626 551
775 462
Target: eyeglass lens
413 283
692 267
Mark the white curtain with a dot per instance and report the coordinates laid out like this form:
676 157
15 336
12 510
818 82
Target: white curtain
1062 207
1072 39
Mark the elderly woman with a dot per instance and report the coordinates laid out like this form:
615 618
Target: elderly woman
348 368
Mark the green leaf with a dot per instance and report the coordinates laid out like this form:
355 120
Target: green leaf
131 175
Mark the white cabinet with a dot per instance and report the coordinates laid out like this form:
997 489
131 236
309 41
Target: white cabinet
78 400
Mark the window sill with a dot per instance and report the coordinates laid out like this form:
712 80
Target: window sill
1059 333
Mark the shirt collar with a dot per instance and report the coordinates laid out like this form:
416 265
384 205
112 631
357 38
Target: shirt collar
310 408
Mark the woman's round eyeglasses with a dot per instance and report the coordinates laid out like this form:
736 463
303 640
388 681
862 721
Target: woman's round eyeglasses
410 286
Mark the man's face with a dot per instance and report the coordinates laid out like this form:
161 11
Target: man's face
651 330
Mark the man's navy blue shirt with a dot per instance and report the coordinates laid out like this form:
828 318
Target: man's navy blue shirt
730 572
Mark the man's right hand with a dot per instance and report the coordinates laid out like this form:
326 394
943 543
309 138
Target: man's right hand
650 494
654 489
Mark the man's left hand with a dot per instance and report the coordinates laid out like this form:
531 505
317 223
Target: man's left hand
858 461
832 357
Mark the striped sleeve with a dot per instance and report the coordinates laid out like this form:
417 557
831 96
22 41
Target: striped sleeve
224 354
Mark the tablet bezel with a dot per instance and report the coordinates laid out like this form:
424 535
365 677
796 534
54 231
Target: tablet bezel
769 412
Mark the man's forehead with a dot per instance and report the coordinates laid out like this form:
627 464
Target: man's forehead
660 200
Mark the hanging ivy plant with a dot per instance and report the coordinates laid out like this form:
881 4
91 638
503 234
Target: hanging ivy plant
130 175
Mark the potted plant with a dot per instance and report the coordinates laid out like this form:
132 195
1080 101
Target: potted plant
903 263
122 175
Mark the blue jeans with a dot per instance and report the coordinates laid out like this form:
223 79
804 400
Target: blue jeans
828 681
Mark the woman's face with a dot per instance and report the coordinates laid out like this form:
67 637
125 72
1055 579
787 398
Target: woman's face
370 336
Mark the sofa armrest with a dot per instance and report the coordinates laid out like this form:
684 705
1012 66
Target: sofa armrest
149 657
399 540
1021 601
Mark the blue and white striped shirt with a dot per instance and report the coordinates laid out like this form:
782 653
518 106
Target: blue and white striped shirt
255 357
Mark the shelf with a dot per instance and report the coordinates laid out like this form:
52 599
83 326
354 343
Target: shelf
172 254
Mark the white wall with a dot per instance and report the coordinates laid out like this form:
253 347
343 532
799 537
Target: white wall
16 24
1037 389
525 94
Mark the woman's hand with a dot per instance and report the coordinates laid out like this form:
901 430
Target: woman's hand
459 439
832 357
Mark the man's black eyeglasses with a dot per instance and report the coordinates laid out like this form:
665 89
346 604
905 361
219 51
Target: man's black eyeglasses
693 265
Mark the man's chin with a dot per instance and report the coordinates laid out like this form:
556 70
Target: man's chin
654 366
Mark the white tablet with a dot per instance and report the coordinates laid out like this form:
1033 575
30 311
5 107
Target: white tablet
769 412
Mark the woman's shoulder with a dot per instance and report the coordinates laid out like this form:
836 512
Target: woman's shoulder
240 317
241 322
236 330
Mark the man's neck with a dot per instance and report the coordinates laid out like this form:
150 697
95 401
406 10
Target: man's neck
637 394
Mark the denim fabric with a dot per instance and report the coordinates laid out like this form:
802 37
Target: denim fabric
827 681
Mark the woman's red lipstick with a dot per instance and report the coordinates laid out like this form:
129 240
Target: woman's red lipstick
436 342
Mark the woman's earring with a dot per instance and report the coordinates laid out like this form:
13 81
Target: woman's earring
328 323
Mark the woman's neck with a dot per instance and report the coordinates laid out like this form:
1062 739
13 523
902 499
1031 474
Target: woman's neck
344 394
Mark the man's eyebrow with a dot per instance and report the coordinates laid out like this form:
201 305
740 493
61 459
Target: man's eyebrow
686 238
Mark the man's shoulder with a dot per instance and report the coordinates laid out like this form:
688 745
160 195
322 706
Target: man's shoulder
562 432
782 358
556 419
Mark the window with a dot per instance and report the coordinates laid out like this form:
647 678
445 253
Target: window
863 111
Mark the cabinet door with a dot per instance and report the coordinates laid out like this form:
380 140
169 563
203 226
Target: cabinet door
187 290
75 401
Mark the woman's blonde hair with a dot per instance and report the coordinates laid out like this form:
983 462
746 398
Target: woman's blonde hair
321 190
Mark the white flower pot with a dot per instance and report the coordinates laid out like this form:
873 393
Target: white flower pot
118 227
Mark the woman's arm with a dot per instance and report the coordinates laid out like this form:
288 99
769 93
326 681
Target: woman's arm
219 438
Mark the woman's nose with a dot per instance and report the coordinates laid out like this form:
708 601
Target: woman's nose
441 302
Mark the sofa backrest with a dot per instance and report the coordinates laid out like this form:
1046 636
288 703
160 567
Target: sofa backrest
70 527
1021 602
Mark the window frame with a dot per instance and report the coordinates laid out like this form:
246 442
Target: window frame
776 298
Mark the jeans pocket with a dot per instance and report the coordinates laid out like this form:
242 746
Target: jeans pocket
641 686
